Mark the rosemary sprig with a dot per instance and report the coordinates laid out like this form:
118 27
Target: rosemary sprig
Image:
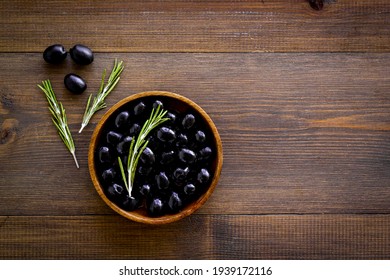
98 101
138 146
59 118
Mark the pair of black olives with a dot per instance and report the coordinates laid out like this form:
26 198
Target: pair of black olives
56 53
80 54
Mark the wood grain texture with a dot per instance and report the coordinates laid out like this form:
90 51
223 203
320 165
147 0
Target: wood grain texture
297 138
196 26
215 236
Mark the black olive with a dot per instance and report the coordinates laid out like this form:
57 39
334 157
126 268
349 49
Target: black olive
165 134
115 191
156 207
171 116
187 155
109 174
203 176
147 156
188 121
75 83
134 129
104 154
130 203
181 140
81 54
145 170
145 189
113 137
54 54
205 153
200 136
158 103
122 119
139 108
162 181
180 174
189 189
175 202
167 157
124 146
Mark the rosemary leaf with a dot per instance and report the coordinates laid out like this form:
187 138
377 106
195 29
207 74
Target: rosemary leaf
138 146
59 118
98 101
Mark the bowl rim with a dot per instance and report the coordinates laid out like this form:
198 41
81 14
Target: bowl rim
168 218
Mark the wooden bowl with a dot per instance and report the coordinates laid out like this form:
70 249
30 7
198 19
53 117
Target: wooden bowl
180 104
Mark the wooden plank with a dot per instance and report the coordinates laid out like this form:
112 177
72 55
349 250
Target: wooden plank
196 26
310 139
215 236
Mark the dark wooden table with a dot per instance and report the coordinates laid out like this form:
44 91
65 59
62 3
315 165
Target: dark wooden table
301 99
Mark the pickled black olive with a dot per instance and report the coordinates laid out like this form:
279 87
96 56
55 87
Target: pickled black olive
180 174
75 83
188 121
144 170
104 154
167 157
122 119
124 146
130 203
187 155
109 174
134 129
139 108
113 137
158 103
162 181
200 136
144 190
156 207
54 54
165 134
182 140
81 54
115 191
203 176
189 189
205 153
174 202
147 156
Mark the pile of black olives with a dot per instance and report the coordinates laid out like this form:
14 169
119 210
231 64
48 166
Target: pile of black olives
175 168
80 54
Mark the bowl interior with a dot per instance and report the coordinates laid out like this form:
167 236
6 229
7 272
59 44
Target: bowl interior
172 102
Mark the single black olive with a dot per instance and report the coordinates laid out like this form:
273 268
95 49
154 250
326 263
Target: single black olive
81 54
104 154
205 153
114 191
203 176
175 202
189 189
171 116
162 181
75 83
139 108
180 174
145 170
109 174
200 136
147 156
130 203
122 119
188 121
113 137
145 189
167 157
165 134
134 129
187 155
181 140
158 103
54 54
124 146
156 207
